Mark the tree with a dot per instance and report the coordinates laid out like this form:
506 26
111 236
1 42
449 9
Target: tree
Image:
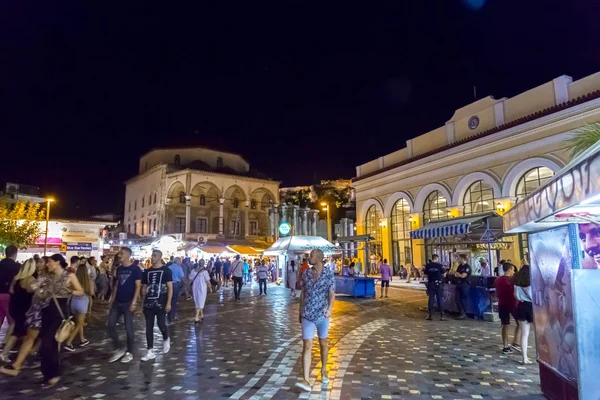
19 223
584 138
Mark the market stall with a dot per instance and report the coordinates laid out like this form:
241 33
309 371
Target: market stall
562 220
477 237
295 248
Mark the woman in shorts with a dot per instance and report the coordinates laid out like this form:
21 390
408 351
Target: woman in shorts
80 306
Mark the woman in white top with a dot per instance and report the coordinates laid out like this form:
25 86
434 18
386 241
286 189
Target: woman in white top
292 277
524 313
200 288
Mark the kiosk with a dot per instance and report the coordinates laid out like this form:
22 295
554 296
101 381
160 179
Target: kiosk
562 220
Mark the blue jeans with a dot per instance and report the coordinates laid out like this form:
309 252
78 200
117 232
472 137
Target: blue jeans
174 301
116 311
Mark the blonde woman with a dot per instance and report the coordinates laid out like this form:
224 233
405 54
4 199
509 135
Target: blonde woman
21 294
80 307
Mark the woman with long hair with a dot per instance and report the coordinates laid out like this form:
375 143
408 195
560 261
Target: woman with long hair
55 289
79 307
21 292
200 288
292 277
524 313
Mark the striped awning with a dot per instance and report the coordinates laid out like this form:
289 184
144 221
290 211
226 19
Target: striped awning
445 228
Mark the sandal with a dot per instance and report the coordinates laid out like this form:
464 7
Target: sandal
526 362
10 370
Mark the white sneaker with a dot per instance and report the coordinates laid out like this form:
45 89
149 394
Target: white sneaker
166 346
150 355
117 355
127 358
304 386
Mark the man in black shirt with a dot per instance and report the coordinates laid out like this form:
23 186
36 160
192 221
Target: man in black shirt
9 268
435 275
157 292
462 279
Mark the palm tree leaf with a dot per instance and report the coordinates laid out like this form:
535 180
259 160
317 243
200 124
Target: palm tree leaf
583 138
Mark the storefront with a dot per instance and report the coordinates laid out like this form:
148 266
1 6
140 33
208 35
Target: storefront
562 220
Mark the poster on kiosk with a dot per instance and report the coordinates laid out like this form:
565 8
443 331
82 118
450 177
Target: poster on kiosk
562 222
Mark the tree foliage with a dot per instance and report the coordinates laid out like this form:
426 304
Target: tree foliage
19 223
584 138
299 197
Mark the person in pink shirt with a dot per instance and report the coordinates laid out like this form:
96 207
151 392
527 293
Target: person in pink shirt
386 277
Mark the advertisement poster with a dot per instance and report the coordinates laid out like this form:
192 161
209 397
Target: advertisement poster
552 263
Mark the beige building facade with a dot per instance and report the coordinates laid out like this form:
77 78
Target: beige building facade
199 192
487 157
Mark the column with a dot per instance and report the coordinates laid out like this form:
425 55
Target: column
351 232
271 212
386 240
221 216
344 232
295 219
284 217
305 214
276 219
314 222
188 214
247 219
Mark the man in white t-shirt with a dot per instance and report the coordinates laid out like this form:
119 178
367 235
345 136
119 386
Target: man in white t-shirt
237 271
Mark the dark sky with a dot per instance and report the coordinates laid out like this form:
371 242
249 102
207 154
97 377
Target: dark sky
300 89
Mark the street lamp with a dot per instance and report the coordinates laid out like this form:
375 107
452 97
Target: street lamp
326 208
48 201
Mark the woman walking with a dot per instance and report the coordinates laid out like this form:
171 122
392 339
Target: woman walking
102 282
200 288
80 306
524 313
21 292
55 289
292 277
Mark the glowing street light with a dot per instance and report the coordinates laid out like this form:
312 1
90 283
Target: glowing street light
48 201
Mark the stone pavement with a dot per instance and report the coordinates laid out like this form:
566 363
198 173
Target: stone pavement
380 349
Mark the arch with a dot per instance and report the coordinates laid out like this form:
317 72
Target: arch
235 192
174 190
466 181
208 189
426 190
391 202
263 197
177 159
509 184
362 213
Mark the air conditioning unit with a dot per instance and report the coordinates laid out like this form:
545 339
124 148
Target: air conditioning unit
154 234
123 236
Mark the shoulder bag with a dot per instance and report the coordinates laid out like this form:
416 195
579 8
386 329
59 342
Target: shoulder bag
67 326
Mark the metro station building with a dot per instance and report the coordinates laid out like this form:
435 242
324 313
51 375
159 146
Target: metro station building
485 159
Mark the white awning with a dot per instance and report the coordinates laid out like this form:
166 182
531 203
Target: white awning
300 244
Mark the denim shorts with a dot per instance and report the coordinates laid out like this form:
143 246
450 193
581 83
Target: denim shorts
79 305
309 327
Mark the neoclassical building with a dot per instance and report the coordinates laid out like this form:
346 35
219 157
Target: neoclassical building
199 191
487 157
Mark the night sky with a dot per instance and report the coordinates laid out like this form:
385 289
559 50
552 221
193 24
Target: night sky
304 91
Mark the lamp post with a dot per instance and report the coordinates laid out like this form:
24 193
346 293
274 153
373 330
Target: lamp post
326 208
48 201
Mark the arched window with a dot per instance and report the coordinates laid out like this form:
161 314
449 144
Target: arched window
479 198
154 197
202 200
129 208
531 180
143 201
135 205
150 199
435 207
253 204
373 229
236 203
182 197
177 159
401 252
219 162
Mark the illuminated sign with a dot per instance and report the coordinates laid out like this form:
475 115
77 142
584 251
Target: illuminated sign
284 228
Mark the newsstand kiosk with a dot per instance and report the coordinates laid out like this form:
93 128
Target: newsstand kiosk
562 220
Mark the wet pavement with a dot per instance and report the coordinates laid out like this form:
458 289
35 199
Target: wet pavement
379 349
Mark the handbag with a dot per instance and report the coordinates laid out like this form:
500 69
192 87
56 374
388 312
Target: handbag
67 326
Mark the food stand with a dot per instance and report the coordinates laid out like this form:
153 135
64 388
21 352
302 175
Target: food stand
295 248
562 219
475 236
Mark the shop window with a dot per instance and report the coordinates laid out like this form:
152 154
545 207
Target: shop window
219 162
236 203
253 204
435 207
401 253
531 180
177 159
202 200
180 225
479 198
182 197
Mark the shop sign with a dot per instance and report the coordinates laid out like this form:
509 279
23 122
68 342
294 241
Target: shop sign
79 247
284 228
494 246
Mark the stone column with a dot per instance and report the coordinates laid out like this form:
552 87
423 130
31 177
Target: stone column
221 216
188 214
344 232
276 220
284 217
247 219
314 222
305 215
295 219
271 211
